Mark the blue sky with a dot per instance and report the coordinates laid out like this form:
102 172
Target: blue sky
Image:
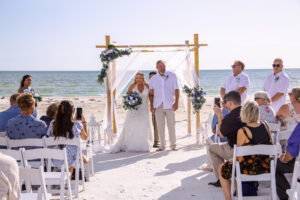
62 34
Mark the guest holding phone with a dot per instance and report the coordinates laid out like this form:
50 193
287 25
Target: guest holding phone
212 139
66 126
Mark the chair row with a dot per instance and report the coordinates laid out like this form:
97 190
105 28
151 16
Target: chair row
44 153
62 178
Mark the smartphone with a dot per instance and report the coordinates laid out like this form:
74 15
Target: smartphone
218 102
78 113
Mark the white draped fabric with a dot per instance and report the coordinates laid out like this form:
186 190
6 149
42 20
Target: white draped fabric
179 61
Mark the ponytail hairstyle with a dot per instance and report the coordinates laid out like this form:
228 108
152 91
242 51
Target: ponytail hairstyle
23 80
64 120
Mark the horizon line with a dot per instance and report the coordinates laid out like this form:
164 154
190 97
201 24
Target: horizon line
214 69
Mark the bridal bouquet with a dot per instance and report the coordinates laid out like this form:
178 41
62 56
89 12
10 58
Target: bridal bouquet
196 95
132 101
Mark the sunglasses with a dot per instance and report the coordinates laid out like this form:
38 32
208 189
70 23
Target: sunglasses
233 66
225 100
276 65
256 98
290 93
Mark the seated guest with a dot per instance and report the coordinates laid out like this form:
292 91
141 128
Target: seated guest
25 125
227 127
214 125
264 101
253 133
9 178
65 126
10 113
50 114
290 113
286 163
211 139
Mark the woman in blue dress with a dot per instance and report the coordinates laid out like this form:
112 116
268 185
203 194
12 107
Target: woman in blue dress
25 88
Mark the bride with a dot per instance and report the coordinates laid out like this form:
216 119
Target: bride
136 134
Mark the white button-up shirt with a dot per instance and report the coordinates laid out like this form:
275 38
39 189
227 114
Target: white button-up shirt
164 89
236 82
274 84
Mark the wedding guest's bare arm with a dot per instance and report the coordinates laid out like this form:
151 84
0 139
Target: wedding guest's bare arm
241 90
131 88
175 105
277 96
151 96
222 92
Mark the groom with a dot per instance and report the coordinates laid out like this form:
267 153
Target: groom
164 95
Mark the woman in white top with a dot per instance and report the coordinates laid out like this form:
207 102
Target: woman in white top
264 101
136 134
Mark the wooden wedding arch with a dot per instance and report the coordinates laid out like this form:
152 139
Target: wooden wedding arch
111 77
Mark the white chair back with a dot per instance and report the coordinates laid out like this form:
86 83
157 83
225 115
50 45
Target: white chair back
78 164
4 141
2 134
16 154
28 142
274 127
283 135
270 150
33 177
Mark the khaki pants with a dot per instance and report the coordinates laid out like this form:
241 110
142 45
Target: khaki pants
218 153
155 131
161 116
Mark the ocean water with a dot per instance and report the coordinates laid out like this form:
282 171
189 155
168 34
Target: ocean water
84 83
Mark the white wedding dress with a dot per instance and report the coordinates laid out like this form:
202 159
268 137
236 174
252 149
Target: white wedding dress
136 135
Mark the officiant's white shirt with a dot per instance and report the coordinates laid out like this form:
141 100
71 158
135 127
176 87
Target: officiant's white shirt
235 82
274 84
164 89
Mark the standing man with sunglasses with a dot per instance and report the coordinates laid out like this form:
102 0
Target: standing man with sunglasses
238 81
277 84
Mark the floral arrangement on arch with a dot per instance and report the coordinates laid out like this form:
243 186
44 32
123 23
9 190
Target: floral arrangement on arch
107 56
196 95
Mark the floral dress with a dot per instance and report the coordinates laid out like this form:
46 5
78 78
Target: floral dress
71 149
254 164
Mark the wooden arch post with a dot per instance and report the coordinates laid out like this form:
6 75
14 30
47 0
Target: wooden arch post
196 51
108 129
189 105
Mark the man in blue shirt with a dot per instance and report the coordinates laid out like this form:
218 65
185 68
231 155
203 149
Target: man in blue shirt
25 125
286 163
10 113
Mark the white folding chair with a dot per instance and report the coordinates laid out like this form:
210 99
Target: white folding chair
271 150
2 134
78 163
16 154
61 178
274 129
4 141
28 142
87 150
33 177
283 135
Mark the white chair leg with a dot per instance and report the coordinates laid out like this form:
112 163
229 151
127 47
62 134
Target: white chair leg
273 181
239 183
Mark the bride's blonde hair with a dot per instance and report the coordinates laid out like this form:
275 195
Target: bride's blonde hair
142 74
